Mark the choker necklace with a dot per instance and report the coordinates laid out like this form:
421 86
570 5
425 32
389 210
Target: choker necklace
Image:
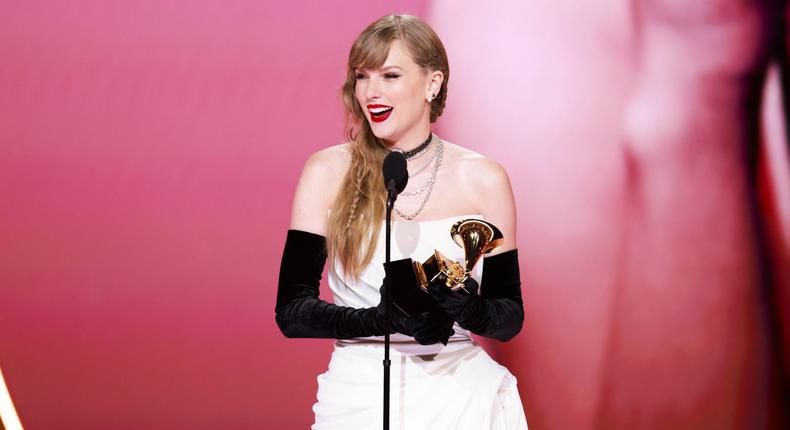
416 151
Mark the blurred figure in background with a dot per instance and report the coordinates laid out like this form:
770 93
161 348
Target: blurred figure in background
695 315
649 277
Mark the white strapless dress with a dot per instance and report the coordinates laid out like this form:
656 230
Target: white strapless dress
438 387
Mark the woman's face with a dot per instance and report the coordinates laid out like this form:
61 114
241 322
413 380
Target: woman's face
394 96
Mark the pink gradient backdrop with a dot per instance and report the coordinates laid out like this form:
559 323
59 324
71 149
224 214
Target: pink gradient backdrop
148 155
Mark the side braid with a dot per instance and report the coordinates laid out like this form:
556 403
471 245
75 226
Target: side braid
359 174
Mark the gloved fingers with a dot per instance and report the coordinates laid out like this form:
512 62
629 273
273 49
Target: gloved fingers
422 320
430 328
438 290
397 313
423 330
400 322
451 302
429 336
471 285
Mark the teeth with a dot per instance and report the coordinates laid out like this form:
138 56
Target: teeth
378 111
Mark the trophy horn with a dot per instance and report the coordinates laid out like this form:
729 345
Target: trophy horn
477 238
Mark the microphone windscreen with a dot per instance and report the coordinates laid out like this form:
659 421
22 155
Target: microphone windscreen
395 173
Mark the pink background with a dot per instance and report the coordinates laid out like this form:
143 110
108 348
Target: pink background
148 155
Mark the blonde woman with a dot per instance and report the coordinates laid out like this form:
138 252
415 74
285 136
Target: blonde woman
395 89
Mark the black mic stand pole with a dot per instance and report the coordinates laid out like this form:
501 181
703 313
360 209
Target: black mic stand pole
391 196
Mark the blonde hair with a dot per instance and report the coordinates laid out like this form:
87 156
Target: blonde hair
355 220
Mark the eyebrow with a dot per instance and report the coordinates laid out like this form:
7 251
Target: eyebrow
383 68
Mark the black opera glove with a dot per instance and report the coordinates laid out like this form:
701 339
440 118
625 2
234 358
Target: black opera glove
299 311
498 312
426 328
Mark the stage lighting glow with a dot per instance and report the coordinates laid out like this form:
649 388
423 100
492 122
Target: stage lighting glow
10 421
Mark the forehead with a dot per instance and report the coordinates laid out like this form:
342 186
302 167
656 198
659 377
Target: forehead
398 56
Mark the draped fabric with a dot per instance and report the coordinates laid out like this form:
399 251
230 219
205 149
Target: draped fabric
455 386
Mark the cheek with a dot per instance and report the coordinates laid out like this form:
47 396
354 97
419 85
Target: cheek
359 94
405 95
414 97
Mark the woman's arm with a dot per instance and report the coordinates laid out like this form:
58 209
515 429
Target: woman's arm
490 188
299 311
498 312
317 187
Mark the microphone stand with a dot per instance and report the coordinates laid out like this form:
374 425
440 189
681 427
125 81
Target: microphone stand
396 176
391 196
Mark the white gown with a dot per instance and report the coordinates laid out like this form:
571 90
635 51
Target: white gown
457 386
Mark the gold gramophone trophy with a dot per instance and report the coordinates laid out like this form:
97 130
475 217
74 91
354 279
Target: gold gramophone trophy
475 236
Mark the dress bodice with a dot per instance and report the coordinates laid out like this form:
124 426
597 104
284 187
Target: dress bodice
410 239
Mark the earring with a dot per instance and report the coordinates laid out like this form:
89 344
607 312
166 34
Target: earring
431 97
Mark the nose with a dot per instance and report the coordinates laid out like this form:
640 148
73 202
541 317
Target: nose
373 88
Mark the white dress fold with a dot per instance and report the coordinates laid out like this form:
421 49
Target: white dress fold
457 386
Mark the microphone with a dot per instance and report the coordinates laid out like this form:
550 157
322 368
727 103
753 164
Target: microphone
396 176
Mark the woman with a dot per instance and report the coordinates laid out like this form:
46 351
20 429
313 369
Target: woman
395 88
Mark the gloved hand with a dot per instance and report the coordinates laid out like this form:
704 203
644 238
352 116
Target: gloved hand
458 305
498 312
427 328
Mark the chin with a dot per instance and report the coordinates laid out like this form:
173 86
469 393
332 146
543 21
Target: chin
385 133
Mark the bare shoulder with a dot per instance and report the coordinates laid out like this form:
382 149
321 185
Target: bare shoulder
334 159
487 184
476 171
318 184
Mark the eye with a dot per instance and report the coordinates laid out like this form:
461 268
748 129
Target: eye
360 76
392 76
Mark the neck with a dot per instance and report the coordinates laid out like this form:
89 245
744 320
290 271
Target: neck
411 140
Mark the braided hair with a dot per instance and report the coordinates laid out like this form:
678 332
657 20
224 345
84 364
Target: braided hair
359 208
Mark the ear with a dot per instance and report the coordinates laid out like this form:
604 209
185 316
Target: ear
435 79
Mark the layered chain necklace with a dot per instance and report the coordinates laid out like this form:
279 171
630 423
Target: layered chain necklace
421 169
428 186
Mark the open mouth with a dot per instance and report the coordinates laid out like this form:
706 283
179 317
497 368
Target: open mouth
379 114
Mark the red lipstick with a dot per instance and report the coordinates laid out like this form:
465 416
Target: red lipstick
379 113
